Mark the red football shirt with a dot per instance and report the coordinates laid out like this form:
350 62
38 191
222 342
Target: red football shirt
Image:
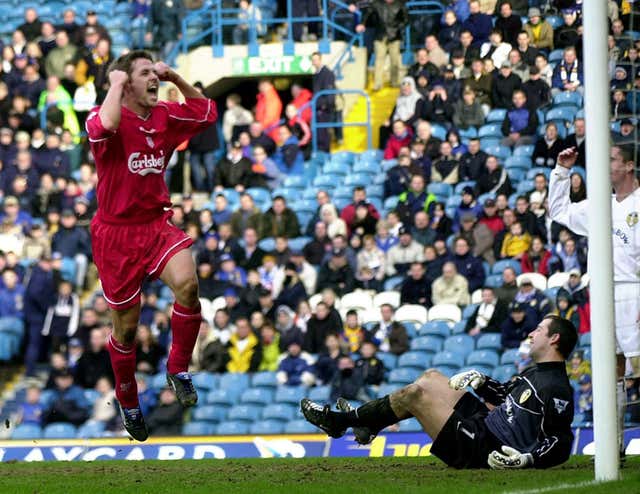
131 161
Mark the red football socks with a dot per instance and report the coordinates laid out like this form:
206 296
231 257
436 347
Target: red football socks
123 362
185 326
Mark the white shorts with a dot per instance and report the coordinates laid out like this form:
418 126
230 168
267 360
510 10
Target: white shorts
627 310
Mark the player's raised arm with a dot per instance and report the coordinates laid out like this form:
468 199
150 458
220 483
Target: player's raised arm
166 73
573 215
110 110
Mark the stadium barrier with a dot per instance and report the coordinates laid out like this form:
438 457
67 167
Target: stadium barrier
397 444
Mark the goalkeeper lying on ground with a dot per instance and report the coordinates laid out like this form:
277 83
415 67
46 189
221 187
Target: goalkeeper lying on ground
523 423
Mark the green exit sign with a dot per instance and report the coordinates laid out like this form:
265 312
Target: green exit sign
295 64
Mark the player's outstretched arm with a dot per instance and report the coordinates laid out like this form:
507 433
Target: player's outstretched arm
166 73
110 110
573 215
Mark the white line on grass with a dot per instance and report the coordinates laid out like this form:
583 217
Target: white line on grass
555 488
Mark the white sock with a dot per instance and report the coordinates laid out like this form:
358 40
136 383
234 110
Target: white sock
621 395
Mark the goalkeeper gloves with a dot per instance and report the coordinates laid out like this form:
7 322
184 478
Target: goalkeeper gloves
471 378
509 458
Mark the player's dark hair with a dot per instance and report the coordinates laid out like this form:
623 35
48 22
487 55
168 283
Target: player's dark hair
125 62
567 332
627 152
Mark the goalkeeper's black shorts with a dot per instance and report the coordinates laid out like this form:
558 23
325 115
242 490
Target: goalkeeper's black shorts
465 441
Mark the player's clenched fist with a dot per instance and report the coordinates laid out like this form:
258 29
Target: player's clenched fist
165 73
118 77
568 157
509 458
469 378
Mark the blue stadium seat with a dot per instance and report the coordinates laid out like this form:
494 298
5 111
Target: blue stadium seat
447 370
26 431
267 427
298 243
524 150
435 328
300 426
578 420
320 394
515 174
556 55
531 174
521 162
490 130
487 370
501 265
236 381
489 341
580 171
257 396
231 427
483 357
562 113
367 167
250 413
259 194
387 388
462 344
438 131
226 397
510 356
410 425
499 151
209 413
295 181
567 98
459 327
504 373
336 168
389 360
328 180
390 203
585 339
290 194
403 375
461 185
279 411
205 380
290 394
494 280
91 429
91 395
198 429
375 190
552 292
469 133
357 179
432 344
416 360
59 430
264 380
468 311
496 115
448 358
440 189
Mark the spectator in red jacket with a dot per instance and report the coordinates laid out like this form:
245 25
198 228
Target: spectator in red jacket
490 216
268 108
536 259
401 137
301 96
348 214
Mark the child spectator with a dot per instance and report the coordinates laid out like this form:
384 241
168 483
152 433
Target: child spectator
352 335
348 382
584 398
270 342
104 409
516 242
565 307
370 366
294 369
244 349
577 366
31 410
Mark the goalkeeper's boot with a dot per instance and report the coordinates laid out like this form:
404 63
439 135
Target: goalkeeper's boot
320 416
182 385
362 435
134 423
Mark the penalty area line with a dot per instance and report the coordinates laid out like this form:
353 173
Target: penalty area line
555 488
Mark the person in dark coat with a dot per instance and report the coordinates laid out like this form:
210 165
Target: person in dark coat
508 23
370 366
40 294
536 90
319 327
32 25
336 274
326 366
280 221
348 382
416 288
578 140
68 403
293 291
518 325
468 265
166 418
504 85
520 124
62 317
496 180
489 315
323 79
94 363
548 147
478 24
232 170
202 149
164 27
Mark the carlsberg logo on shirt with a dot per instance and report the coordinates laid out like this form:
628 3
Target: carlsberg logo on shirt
143 164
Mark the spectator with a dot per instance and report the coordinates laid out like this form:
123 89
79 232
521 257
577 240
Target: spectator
570 32
244 349
248 15
164 28
482 84
566 308
437 55
421 231
504 87
403 254
371 264
518 325
567 75
518 67
287 327
270 344
94 362
468 206
468 50
68 403
539 30
578 190
570 256
352 335
528 53
316 249
209 353
467 112
348 381
438 107
348 213
451 287
490 217
507 291
336 274
63 53
440 222
299 128
478 24
496 48
399 176
264 171
371 367
293 290
627 132
389 335
584 398
32 26
246 216
449 35
288 156
104 407
520 124
468 265
335 225
432 143
400 137
230 274
533 298
536 259
73 242
548 147
12 307
516 242
416 287
415 199
148 351
166 418
294 369
62 319
479 237
472 162
508 23
422 67
319 327
235 119
323 79
233 170
279 220
32 410
536 89
56 99
489 315
388 18
268 108
495 180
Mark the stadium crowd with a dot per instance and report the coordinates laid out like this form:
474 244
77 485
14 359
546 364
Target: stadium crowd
278 275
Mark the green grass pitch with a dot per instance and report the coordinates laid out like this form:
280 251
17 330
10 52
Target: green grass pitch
311 475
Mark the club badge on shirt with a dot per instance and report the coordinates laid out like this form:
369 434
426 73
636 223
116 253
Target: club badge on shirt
560 405
524 396
632 219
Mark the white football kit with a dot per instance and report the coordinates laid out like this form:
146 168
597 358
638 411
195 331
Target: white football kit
626 252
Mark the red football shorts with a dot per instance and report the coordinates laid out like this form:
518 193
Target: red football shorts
126 254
